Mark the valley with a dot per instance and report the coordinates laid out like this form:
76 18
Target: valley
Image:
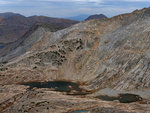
95 66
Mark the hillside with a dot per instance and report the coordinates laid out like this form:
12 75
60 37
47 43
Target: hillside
14 26
1 18
37 30
8 14
105 57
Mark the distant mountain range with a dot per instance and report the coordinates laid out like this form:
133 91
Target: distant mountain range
100 16
9 14
87 17
98 66
81 17
13 26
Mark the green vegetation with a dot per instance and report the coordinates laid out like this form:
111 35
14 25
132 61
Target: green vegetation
3 69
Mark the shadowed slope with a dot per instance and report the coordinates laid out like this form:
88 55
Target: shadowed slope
14 26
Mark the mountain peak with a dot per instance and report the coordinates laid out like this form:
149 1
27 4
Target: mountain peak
108 59
96 16
9 14
144 12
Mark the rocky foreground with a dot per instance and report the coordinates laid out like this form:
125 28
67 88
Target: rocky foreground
105 57
16 99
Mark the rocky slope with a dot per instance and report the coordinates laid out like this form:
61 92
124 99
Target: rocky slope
14 26
38 28
98 54
1 18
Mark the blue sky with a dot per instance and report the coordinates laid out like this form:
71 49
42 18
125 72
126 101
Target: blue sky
69 8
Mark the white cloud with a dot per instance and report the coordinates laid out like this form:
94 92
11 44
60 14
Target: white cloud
74 0
71 7
2 2
97 0
5 2
136 0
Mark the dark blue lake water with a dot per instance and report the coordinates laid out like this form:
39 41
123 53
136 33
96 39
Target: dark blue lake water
1 47
123 98
61 86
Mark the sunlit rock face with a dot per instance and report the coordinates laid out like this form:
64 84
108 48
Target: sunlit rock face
110 53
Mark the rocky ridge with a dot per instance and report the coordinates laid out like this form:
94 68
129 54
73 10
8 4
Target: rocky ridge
98 54
14 26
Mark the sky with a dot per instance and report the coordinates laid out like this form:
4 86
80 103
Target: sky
69 8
